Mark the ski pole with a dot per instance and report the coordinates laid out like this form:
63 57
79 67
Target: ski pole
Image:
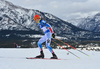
72 47
65 49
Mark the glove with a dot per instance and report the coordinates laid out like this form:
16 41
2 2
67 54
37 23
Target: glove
53 35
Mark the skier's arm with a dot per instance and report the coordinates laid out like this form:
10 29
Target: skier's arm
53 33
49 28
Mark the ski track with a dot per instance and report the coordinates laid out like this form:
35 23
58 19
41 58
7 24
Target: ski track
12 58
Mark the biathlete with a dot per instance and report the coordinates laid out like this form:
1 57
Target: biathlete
48 31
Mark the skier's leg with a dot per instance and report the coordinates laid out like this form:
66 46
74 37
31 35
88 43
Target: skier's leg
48 41
43 39
40 47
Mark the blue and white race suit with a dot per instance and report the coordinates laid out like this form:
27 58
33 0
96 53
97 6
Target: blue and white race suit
47 29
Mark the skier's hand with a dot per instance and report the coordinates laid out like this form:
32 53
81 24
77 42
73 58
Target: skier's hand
53 35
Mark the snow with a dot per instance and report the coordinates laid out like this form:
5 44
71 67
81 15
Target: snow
11 58
75 21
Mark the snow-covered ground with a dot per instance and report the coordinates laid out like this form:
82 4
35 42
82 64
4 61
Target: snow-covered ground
11 58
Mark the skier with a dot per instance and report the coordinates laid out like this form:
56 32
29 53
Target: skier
16 45
48 31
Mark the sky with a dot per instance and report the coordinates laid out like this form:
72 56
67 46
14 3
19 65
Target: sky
64 9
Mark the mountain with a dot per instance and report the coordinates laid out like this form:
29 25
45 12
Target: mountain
75 21
17 24
91 23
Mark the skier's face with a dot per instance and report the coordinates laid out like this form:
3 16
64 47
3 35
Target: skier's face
37 20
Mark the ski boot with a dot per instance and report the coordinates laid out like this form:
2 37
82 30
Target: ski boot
54 56
41 55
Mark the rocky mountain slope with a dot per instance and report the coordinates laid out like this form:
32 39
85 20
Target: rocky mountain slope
17 22
91 23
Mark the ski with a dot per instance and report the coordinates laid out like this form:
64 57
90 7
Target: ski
43 58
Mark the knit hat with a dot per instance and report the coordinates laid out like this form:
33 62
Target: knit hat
36 17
